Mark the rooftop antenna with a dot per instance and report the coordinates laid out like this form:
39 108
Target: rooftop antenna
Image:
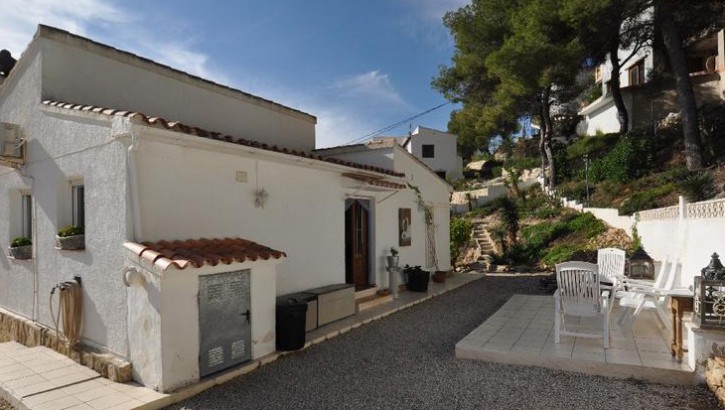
410 129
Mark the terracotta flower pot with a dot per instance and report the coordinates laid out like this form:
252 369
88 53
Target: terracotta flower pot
440 276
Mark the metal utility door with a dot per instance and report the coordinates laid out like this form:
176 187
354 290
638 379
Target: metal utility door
224 321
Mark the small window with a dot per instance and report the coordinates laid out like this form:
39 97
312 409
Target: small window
608 87
79 207
428 151
636 73
27 216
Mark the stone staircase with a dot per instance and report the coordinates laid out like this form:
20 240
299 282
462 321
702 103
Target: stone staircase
486 246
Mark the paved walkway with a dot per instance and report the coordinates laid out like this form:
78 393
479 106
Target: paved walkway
38 378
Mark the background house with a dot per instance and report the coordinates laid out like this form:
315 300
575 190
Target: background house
646 106
152 160
436 149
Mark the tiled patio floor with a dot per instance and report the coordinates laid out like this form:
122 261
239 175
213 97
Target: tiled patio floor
522 332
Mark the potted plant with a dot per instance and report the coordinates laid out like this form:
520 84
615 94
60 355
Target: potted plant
393 259
417 278
21 248
70 237
440 276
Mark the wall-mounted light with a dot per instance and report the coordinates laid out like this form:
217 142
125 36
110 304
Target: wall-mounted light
260 197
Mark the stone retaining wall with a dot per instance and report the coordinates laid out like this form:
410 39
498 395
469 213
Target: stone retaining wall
28 333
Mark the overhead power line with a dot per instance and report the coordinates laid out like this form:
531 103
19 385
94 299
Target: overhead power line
396 125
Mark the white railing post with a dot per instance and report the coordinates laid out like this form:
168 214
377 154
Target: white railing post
683 208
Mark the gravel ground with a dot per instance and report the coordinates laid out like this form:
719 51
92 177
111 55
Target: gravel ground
5 405
406 361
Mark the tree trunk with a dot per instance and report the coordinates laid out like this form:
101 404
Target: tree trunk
542 151
685 95
546 130
622 115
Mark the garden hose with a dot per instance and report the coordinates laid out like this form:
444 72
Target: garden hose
70 311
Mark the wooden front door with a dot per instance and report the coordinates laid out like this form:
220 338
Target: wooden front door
357 232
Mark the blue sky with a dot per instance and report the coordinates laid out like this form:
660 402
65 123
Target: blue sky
356 65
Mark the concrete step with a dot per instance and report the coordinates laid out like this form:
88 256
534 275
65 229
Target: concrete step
372 301
367 293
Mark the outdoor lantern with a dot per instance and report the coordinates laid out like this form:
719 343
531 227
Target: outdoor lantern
641 265
709 301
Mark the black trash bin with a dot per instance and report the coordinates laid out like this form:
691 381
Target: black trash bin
290 328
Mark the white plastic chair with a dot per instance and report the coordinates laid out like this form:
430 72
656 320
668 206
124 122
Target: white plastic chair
611 262
579 294
647 295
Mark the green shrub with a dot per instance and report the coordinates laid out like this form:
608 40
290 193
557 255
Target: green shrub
523 162
70 230
646 199
537 238
20 241
698 186
574 190
586 224
461 230
632 157
593 145
559 253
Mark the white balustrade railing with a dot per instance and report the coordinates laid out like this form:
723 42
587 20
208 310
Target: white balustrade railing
670 212
706 209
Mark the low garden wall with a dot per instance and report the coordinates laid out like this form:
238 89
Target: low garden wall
28 333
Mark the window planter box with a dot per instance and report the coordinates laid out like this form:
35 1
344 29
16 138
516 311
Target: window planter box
70 243
22 252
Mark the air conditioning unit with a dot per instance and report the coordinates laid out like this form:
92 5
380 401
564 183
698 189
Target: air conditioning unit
12 145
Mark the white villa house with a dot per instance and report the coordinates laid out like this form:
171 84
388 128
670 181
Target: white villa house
707 65
436 149
200 205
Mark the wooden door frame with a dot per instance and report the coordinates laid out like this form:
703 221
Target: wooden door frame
369 202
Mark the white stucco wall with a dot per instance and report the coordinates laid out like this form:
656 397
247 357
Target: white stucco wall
80 72
445 152
62 149
434 191
164 320
18 97
691 241
188 191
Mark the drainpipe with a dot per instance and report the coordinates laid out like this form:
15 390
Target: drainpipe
34 225
133 182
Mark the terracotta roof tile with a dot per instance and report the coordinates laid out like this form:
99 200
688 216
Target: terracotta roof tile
159 122
200 252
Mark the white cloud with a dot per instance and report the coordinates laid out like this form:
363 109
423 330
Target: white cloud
346 109
425 21
102 21
435 9
19 19
374 86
